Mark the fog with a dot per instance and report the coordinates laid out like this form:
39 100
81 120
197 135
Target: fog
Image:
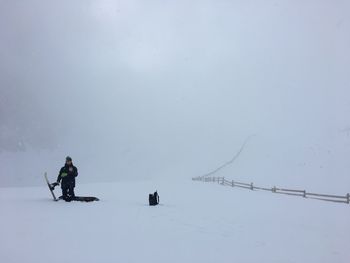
171 89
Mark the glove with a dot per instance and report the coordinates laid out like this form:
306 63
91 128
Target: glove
53 185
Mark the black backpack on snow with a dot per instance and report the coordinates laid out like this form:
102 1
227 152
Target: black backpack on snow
153 199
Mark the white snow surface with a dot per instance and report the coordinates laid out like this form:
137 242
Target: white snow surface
195 222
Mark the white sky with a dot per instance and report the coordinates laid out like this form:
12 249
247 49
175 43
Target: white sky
173 84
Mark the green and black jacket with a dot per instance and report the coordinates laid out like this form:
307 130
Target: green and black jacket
67 176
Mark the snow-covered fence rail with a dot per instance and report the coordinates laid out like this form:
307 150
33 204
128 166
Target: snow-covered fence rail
276 190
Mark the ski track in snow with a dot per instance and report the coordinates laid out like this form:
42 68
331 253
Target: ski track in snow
195 222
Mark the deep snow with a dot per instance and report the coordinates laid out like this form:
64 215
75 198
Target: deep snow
196 222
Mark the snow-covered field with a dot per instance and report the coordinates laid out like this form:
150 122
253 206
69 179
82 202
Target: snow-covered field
196 222
146 95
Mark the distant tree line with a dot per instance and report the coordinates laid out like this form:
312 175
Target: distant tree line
23 122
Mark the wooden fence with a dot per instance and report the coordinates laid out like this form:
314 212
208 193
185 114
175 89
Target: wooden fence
276 190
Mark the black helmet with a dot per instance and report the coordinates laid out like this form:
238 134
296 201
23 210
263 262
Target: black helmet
68 159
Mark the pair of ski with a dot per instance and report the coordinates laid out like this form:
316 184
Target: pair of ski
75 198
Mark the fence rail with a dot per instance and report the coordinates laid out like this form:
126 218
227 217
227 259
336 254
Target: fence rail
274 189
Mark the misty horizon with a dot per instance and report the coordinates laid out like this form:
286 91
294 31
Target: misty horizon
134 89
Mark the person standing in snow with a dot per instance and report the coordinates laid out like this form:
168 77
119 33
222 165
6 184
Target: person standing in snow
67 179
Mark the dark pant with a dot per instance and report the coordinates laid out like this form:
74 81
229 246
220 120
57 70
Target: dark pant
68 193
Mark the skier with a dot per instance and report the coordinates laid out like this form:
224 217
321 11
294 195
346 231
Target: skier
67 175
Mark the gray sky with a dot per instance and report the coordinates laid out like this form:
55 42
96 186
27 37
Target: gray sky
136 89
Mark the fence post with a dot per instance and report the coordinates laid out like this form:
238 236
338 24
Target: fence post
304 194
233 184
223 181
273 189
348 198
251 186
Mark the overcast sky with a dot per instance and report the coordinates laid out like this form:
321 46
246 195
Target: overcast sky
149 88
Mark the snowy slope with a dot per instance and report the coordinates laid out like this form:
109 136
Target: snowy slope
196 222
